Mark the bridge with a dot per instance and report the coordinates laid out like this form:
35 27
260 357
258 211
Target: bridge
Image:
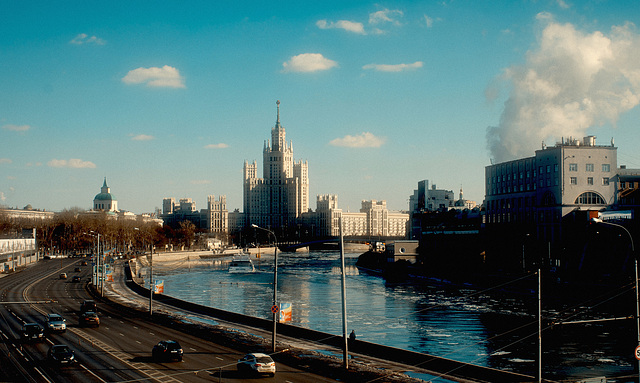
293 246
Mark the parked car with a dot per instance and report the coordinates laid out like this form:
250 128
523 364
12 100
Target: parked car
83 263
61 354
63 276
257 363
89 318
167 350
56 323
77 270
32 332
76 279
89 305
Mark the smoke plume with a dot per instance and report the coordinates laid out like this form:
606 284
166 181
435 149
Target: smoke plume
570 82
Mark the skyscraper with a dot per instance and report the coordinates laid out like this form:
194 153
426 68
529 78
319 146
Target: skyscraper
277 200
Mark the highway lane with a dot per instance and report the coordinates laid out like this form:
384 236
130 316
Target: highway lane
119 350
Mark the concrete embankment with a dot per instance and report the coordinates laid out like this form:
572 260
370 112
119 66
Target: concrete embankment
446 368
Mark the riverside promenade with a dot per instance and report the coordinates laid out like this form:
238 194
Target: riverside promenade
412 366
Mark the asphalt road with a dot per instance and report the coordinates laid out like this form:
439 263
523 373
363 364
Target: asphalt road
119 350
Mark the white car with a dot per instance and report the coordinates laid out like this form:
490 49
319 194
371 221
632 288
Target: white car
56 323
258 363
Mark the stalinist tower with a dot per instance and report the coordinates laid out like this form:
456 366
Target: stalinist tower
277 200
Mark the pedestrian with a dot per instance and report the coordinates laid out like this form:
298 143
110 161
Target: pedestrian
352 336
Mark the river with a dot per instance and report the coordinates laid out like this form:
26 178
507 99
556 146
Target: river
488 327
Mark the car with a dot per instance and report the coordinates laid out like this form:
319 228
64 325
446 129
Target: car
56 323
167 350
83 263
76 279
63 276
89 305
77 270
61 354
89 318
32 332
257 363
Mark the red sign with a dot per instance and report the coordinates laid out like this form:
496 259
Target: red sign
638 352
274 309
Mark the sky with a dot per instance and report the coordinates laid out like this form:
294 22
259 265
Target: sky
170 98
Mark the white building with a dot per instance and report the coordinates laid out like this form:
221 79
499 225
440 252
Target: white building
373 219
104 200
277 200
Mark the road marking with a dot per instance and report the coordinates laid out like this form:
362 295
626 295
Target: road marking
219 358
91 372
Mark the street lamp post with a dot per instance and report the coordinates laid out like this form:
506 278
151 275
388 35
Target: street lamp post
275 285
633 252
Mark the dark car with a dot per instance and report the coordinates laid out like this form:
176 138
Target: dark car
63 276
167 350
61 354
56 323
77 270
83 263
89 319
88 305
32 332
76 279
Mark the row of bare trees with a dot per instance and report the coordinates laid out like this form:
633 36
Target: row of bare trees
76 231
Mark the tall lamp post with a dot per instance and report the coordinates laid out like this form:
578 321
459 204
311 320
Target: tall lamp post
151 284
275 286
633 253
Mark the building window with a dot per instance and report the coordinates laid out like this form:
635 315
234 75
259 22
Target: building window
589 180
606 168
555 167
605 181
574 180
541 170
589 167
548 168
573 167
590 198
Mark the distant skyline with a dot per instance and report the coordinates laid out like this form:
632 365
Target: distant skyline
168 99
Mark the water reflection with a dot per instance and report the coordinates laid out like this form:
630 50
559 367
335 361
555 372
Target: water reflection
494 329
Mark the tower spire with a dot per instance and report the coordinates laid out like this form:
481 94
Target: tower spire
278 106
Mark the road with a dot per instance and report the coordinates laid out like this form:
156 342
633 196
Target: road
119 350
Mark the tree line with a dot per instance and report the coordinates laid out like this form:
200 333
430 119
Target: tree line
75 230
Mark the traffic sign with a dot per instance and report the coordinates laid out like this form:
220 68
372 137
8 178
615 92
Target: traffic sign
275 309
638 352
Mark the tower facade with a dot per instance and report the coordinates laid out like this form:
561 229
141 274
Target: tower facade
277 200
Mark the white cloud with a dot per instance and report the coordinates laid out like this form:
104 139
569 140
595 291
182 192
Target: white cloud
5 161
350 26
2 197
385 16
166 76
428 20
393 68
570 82
83 38
74 163
142 137
16 128
216 146
563 4
200 182
364 140
308 62
30 164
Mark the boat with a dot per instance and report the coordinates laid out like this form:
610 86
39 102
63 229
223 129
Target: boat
241 265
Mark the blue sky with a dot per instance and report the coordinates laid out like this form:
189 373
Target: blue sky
169 98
